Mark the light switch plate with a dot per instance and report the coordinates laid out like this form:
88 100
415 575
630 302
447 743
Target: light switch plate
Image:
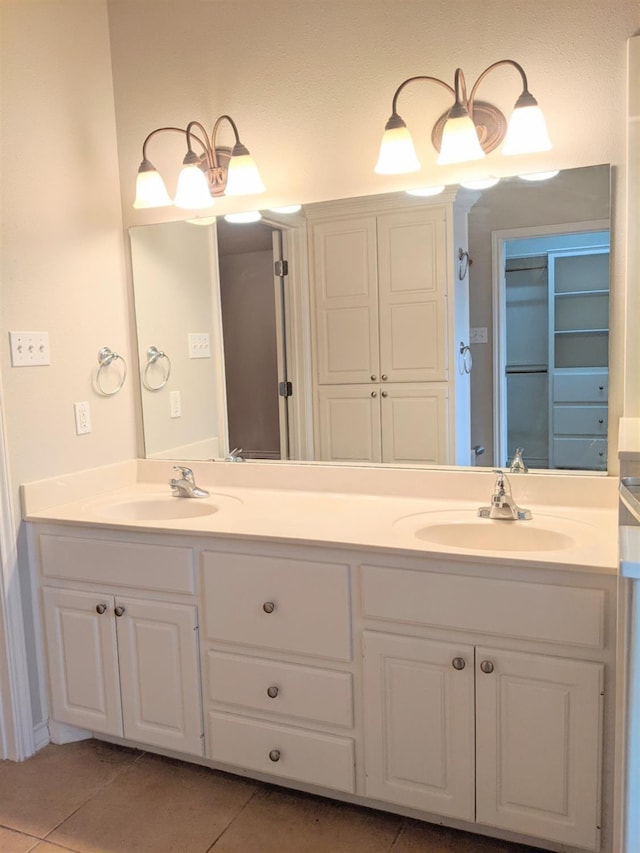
199 346
29 349
478 335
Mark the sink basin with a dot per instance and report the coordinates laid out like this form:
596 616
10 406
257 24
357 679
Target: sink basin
464 530
157 509
489 535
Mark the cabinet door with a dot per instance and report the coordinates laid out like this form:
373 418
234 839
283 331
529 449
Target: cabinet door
539 732
419 733
83 660
349 423
412 281
346 300
414 424
158 649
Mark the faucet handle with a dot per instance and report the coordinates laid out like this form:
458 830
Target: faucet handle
186 473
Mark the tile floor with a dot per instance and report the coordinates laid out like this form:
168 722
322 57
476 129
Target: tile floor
93 797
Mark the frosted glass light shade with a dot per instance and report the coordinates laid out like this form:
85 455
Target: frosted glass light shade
460 141
480 183
244 216
243 177
397 153
150 190
193 190
526 131
426 191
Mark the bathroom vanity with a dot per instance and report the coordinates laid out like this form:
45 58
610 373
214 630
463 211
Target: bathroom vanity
369 644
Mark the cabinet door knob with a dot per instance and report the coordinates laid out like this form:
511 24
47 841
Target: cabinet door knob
119 610
272 692
268 607
101 608
600 420
458 663
384 377
374 393
373 377
274 755
486 666
600 387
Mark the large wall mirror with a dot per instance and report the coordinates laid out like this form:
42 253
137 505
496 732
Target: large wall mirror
222 331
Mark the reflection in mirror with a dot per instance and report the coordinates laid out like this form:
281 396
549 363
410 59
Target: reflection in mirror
215 285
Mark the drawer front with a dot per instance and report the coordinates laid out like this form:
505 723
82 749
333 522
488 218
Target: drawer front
292 605
312 757
580 420
505 608
576 453
280 688
581 387
129 564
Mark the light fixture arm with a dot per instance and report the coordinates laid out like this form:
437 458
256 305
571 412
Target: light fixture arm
526 94
394 103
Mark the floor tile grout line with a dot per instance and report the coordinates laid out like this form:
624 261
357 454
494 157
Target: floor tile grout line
397 835
98 791
259 789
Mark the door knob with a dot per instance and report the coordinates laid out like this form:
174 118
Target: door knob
101 608
119 610
274 755
486 666
268 607
458 663
272 692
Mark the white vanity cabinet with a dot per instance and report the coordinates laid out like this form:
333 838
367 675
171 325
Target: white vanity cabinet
474 730
122 664
389 317
276 655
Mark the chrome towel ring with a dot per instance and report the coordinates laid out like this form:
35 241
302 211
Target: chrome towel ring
106 356
153 357
465 359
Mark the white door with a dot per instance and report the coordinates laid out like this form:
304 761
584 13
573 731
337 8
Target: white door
414 423
419 729
539 732
346 300
412 280
348 423
158 649
83 660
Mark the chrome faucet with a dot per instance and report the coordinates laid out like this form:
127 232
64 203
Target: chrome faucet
503 507
234 455
518 465
186 487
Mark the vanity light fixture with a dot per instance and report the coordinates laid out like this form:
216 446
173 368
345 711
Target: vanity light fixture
212 171
469 129
287 209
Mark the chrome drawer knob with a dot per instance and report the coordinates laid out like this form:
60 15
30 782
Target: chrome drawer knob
458 663
384 377
373 377
268 607
486 666
272 692
119 610
384 394
101 608
274 755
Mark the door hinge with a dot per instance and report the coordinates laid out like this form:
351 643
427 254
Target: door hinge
285 389
281 268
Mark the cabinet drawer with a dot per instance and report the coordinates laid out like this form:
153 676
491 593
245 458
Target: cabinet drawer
580 420
293 605
306 756
296 691
128 564
505 608
590 453
580 387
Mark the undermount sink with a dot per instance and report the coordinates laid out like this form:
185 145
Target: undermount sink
160 507
463 529
491 535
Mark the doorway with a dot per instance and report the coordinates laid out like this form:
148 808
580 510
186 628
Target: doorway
253 306
551 346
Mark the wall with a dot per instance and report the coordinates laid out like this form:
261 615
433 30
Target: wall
62 265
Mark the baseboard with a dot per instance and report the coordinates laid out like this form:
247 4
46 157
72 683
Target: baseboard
41 736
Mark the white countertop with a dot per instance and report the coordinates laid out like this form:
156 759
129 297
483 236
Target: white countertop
345 507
